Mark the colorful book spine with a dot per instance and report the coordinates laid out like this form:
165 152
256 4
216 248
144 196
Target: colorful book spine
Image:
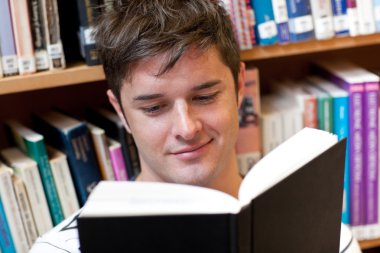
366 17
6 241
376 14
301 26
23 37
117 159
353 18
251 22
245 25
38 36
280 12
340 18
266 29
323 19
345 77
232 6
33 144
7 43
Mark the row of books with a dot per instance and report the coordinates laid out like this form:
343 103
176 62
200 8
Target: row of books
270 22
340 97
46 177
38 35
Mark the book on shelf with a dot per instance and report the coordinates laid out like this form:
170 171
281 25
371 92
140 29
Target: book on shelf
114 128
23 37
232 8
301 26
33 144
340 18
279 208
38 35
117 160
323 19
6 241
353 18
51 31
266 28
88 11
341 129
12 213
71 136
362 87
99 139
366 17
248 145
25 209
26 168
376 14
63 181
281 18
251 23
9 63
246 25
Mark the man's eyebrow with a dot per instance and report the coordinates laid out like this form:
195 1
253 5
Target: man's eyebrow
147 97
206 85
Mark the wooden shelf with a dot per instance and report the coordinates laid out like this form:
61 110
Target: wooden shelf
369 244
74 74
312 46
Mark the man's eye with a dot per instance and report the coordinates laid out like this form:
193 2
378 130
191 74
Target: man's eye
206 98
151 110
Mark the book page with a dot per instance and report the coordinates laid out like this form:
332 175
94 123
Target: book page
146 198
287 158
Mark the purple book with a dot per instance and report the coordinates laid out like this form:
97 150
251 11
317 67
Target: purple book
343 75
7 43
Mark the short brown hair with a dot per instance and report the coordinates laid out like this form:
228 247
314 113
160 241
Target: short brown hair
139 29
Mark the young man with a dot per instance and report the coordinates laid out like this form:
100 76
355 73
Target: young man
176 82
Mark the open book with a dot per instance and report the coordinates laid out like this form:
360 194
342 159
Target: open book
290 201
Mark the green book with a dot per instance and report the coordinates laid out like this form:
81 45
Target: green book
33 145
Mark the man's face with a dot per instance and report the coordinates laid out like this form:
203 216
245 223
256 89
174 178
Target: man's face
185 121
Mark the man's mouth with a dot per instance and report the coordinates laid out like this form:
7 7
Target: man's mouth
192 152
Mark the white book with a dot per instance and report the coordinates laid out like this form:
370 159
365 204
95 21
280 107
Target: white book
353 18
366 17
26 168
12 211
99 139
63 181
323 19
25 210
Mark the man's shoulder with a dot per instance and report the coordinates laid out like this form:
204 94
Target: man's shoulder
62 238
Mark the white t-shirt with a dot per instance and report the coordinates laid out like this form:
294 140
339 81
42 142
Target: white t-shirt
63 238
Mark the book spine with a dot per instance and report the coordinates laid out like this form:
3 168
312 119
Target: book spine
310 112
118 162
376 14
82 161
37 198
340 18
25 210
37 151
6 242
65 185
38 36
12 212
341 129
88 11
323 19
7 43
23 36
301 26
251 22
371 143
49 10
366 18
280 12
266 29
353 18
236 20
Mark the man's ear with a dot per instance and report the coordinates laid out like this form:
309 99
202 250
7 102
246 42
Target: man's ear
241 83
116 105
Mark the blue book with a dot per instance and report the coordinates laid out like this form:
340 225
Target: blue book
339 9
265 28
376 7
72 137
340 128
301 26
280 11
6 242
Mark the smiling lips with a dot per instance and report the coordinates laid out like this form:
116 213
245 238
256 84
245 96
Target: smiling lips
192 152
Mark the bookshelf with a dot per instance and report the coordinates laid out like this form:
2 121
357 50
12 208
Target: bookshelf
71 87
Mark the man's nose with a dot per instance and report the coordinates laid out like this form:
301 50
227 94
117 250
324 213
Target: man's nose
186 123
